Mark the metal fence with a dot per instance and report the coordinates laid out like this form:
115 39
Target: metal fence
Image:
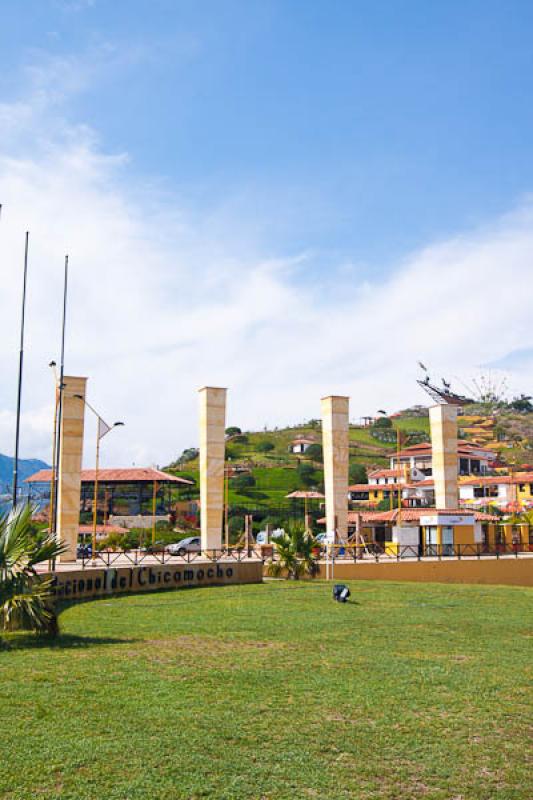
346 553
132 558
376 552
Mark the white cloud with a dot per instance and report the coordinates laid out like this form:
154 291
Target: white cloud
162 302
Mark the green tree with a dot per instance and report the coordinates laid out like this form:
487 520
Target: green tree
382 422
233 430
522 403
189 454
358 473
26 599
314 452
242 483
265 446
306 473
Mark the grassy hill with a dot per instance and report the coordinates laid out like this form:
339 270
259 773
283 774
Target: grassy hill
277 472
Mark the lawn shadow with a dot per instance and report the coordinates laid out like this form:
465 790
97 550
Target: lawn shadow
65 641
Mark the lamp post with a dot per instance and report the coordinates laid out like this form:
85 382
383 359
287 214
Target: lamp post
101 430
154 508
58 412
51 507
53 481
227 472
21 363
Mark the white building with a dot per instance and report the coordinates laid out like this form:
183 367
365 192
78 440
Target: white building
301 444
471 459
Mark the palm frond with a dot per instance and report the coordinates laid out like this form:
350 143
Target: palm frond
15 537
26 599
294 549
27 605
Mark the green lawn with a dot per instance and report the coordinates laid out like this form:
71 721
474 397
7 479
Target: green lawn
274 691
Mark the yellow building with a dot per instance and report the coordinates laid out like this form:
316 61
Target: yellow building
415 532
510 493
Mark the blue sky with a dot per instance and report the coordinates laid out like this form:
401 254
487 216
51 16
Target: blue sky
353 129
288 198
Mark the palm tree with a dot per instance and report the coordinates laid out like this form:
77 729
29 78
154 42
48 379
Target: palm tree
521 518
26 599
294 550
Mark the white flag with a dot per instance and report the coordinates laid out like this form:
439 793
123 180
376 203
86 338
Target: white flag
103 428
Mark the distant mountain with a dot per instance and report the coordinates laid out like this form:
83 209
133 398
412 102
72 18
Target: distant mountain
27 466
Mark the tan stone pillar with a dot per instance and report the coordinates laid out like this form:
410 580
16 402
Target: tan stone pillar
443 423
69 478
335 411
212 450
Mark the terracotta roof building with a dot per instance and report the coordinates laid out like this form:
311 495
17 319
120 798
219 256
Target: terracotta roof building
471 459
123 492
126 475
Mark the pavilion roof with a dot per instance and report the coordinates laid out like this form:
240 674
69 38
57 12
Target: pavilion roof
306 495
128 475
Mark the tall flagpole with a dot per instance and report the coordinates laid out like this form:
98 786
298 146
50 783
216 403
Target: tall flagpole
60 400
21 362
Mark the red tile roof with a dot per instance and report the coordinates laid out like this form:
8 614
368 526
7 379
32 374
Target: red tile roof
386 473
490 480
131 475
374 487
414 514
463 448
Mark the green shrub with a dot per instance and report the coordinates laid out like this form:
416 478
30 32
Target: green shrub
265 446
242 482
233 430
314 452
358 473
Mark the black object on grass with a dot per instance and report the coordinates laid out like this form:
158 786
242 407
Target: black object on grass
341 592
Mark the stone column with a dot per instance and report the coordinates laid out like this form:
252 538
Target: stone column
335 446
443 423
69 478
212 450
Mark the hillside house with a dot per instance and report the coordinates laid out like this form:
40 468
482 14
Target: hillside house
507 492
471 459
384 484
299 445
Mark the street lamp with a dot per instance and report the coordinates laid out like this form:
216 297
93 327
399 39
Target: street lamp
102 429
52 504
20 372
